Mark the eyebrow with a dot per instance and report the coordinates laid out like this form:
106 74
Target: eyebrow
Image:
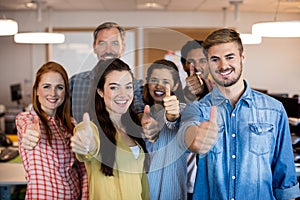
129 83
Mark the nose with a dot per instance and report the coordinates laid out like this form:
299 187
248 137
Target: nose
223 63
122 92
159 84
53 92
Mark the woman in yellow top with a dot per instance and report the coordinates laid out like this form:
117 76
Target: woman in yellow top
113 148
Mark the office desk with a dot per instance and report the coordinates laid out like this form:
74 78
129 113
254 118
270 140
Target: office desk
10 174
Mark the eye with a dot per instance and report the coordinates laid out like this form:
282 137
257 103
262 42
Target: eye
61 87
165 82
113 87
203 61
191 61
129 87
102 43
115 43
214 59
153 80
46 86
230 57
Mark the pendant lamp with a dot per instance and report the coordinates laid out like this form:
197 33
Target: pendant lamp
8 27
277 28
40 37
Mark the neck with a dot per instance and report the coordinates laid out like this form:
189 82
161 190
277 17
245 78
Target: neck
116 120
234 92
158 106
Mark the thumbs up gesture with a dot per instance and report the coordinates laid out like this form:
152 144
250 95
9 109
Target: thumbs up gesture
201 138
32 134
83 140
171 105
150 125
194 81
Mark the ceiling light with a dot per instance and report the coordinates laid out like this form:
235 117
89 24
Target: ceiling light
39 38
150 5
250 38
277 29
8 27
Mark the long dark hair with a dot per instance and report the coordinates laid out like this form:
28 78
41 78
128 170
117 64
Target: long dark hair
107 130
63 111
163 64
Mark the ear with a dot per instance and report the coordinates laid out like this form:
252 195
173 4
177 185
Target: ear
243 56
94 48
100 92
124 47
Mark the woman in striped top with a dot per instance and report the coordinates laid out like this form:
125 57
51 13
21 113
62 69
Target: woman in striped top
168 167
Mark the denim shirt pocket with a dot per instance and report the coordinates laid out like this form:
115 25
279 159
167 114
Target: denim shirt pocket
219 145
260 138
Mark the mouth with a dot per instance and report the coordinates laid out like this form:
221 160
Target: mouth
109 56
225 72
159 93
121 102
53 100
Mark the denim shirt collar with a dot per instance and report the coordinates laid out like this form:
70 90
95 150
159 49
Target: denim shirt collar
218 98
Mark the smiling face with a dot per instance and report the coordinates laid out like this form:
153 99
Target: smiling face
109 44
226 63
118 92
197 59
51 92
157 84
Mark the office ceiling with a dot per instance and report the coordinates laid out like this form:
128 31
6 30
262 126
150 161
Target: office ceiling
271 6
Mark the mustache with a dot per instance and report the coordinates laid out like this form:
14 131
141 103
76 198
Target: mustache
110 55
224 70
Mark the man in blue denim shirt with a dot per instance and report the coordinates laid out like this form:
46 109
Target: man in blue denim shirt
242 136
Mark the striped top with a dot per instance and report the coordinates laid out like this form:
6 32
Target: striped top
168 166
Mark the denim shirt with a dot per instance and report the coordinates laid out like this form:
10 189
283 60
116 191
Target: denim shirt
252 157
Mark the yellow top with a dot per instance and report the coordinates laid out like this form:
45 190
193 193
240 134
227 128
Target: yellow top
129 181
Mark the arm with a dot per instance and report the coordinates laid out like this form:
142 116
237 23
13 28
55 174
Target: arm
284 175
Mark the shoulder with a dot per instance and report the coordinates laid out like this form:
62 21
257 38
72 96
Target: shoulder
265 101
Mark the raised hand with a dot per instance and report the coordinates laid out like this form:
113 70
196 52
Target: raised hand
171 105
83 140
150 125
32 134
201 138
194 81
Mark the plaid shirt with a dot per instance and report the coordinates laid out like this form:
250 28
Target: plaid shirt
80 85
51 172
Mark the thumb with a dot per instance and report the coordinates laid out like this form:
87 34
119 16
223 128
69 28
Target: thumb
86 122
146 115
168 90
192 69
36 123
213 114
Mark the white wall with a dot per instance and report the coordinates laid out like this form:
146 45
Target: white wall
272 65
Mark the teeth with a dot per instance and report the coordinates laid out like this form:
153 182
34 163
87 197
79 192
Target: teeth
226 72
121 102
159 93
52 100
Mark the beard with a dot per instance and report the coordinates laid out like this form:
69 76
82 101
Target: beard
227 82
